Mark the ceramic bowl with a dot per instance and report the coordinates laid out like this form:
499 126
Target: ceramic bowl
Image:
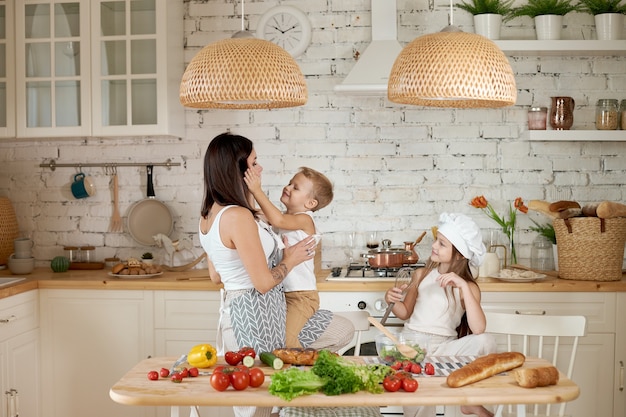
388 352
22 266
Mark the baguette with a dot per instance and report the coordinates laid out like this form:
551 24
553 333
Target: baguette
610 210
570 212
485 367
542 207
536 377
558 206
591 210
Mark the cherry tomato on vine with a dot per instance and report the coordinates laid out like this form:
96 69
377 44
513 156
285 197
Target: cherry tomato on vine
396 365
239 380
416 368
429 369
219 381
248 351
193 372
153 375
409 384
177 377
391 383
164 372
257 377
233 358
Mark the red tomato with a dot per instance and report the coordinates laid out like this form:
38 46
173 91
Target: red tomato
177 377
164 372
239 380
242 368
409 384
247 351
406 366
219 381
403 375
184 372
416 368
219 369
233 358
153 375
429 369
193 372
257 377
396 365
392 383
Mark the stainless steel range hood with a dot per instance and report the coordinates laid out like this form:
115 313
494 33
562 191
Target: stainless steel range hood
370 74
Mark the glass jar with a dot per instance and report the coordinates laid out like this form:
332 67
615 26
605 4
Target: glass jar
88 254
537 118
541 254
622 112
71 253
606 114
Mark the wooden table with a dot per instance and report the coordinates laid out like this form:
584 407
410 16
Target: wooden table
134 388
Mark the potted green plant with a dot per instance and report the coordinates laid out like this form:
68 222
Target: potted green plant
147 258
547 14
488 15
608 16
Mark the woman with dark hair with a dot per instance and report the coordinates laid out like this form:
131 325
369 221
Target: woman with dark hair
251 261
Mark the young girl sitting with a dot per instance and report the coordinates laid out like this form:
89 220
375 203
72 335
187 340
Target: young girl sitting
443 296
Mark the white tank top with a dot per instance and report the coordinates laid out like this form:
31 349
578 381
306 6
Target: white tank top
436 311
302 276
226 260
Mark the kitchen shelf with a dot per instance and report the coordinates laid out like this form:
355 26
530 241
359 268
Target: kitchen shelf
562 47
577 135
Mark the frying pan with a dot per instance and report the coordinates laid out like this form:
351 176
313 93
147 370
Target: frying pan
149 216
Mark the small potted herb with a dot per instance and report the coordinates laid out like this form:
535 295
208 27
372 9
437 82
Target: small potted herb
608 15
147 258
547 14
488 15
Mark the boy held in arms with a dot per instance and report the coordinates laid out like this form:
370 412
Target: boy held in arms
308 191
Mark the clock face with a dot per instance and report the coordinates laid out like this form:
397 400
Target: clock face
287 27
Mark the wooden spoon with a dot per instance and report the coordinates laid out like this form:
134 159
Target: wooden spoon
406 350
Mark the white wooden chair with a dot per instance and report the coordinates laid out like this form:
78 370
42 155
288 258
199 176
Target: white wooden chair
361 324
540 336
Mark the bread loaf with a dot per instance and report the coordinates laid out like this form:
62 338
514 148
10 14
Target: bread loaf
484 367
542 207
558 206
610 210
536 377
296 356
590 210
570 212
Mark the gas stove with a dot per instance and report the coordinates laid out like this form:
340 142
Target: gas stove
363 272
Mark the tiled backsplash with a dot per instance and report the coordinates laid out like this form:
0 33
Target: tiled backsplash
394 168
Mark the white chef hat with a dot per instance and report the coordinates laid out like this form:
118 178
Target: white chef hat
464 234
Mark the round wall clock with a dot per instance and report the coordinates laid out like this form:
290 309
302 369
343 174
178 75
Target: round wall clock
287 27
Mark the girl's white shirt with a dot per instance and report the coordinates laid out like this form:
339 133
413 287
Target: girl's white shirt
437 310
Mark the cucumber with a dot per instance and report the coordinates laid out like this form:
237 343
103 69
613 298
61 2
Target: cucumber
272 360
248 361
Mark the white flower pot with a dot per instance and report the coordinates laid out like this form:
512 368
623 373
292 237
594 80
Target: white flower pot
488 25
548 27
609 26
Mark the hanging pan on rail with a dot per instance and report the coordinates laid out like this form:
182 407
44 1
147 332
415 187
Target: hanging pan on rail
149 217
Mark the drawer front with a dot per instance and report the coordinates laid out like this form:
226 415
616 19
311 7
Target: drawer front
191 310
18 314
598 308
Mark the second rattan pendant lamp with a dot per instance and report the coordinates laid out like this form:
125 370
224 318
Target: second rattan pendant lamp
243 72
452 68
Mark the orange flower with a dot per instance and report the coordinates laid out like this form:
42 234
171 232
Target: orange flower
479 202
519 204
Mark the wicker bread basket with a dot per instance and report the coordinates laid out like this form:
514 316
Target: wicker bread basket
8 229
590 248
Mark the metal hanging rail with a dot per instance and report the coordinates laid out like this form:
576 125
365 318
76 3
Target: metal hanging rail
53 165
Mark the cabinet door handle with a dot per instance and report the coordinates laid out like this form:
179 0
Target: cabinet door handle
8 319
621 375
531 312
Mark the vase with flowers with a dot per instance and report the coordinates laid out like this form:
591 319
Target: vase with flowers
507 225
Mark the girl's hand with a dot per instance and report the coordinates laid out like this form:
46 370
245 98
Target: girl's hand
395 294
252 180
451 279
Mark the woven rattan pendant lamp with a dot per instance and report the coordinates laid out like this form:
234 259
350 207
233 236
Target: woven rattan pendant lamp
243 72
452 68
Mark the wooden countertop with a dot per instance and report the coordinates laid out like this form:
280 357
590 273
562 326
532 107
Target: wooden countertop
198 280
134 388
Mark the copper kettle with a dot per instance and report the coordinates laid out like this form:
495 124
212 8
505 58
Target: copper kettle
409 247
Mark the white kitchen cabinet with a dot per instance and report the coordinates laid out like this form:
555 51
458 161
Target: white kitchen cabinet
7 69
182 320
619 380
90 339
19 356
98 68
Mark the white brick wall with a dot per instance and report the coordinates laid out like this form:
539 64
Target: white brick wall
394 168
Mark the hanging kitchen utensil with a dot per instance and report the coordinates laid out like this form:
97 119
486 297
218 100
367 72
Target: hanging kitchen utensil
406 350
149 217
116 218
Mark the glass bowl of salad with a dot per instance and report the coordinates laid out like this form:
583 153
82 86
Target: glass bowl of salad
388 352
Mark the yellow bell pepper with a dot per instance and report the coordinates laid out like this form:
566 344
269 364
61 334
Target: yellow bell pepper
202 356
